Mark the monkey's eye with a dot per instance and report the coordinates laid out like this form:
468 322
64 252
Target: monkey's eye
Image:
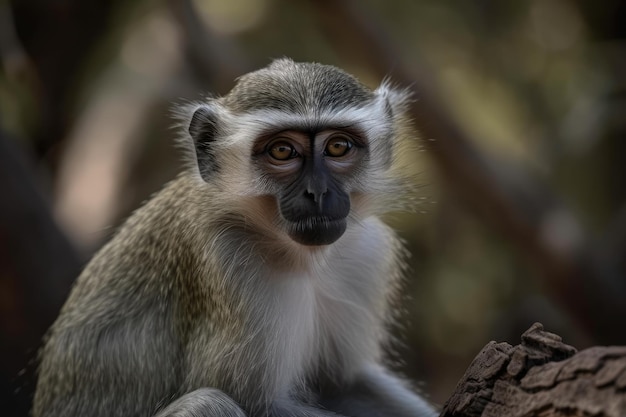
338 146
282 151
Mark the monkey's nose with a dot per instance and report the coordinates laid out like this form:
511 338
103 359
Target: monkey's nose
317 195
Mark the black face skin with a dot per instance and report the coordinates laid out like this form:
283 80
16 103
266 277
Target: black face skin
312 169
314 205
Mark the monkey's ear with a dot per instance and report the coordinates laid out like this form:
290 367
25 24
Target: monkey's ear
203 129
397 100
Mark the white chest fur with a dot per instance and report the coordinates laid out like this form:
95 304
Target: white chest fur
328 317
331 315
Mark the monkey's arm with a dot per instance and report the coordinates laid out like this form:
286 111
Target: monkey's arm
203 402
115 349
378 393
295 409
98 365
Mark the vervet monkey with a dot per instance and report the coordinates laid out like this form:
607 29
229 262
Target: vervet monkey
259 282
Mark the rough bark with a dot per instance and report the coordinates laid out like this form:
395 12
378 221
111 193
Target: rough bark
542 377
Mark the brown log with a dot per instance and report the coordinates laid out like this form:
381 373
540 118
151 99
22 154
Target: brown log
542 377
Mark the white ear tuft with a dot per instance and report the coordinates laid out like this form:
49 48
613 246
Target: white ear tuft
398 99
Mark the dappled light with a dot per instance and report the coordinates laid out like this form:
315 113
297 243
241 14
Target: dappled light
519 156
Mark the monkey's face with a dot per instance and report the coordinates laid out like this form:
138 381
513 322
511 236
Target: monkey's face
312 171
310 139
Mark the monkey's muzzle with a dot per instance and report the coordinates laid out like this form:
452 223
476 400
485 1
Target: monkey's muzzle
316 231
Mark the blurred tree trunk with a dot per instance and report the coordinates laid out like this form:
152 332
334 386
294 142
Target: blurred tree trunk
58 38
37 267
516 204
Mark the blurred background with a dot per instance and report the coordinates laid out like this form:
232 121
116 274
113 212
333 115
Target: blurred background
520 106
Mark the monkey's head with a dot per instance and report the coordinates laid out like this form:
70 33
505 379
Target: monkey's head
310 137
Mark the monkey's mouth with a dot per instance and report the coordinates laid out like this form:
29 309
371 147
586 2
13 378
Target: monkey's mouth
315 231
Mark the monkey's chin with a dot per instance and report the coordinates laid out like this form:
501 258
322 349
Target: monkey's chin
316 231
